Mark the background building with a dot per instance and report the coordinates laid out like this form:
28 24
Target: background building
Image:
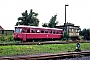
4 32
71 29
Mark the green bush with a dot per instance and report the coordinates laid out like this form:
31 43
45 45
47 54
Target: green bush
6 38
2 38
66 36
10 38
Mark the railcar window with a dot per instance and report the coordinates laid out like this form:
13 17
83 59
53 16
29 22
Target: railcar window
61 32
51 31
18 30
42 31
28 30
46 31
24 30
54 32
38 31
33 31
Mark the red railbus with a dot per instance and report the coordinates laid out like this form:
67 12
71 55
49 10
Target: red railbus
31 32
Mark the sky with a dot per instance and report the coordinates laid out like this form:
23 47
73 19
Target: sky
78 11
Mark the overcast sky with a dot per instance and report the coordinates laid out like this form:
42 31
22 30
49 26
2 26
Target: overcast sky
78 11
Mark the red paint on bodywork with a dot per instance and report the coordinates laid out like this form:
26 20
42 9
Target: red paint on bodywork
43 35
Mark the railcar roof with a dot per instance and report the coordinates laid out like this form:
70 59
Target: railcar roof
38 27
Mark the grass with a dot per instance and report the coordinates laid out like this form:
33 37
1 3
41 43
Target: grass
34 49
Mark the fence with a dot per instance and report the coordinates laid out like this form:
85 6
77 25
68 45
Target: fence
6 32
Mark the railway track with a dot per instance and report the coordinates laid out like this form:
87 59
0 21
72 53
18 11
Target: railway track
40 43
48 56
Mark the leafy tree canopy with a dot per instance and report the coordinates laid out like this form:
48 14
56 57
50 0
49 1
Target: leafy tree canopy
28 19
66 36
52 23
85 33
45 25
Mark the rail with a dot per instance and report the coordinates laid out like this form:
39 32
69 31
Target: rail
47 56
40 43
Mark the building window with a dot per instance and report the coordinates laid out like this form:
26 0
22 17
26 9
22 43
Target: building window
70 30
2 31
77 30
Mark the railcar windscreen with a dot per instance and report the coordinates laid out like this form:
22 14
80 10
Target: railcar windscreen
18 30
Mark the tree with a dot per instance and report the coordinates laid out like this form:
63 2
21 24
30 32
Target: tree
28 19
85 33
66 36
45 25
52 23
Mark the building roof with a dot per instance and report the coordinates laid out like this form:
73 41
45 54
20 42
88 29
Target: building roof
68 24
1 28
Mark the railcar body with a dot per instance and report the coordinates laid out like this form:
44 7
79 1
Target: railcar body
31 32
